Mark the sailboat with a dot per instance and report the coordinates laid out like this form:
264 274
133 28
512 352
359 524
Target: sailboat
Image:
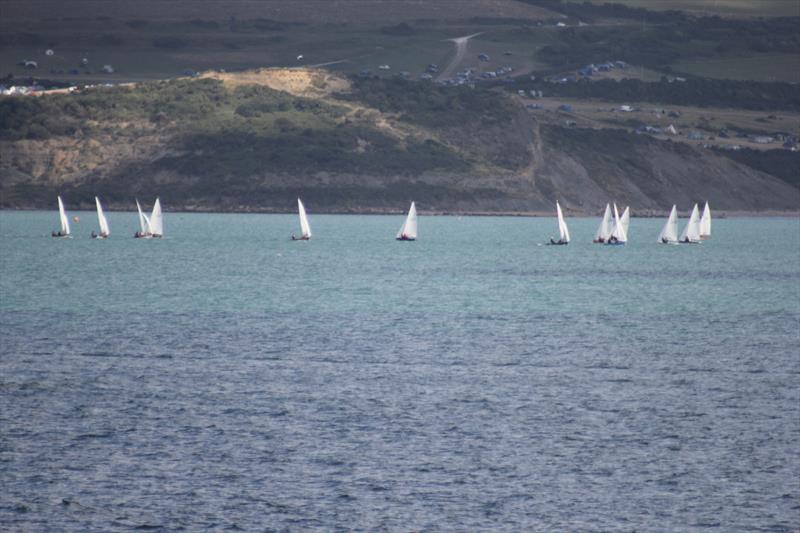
705 223
618 236
691 233
157 220
62 215
408 231
305 229
669 233
102 222
563 231
144 225
625 220
604 231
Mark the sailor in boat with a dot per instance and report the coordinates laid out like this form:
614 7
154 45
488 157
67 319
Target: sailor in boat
611 240
300 238
558 242
664 240
599 240
140 235
57 234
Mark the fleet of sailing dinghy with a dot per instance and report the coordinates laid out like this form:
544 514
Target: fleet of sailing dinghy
604 231
408 231
305 229
62 216
563 231
613 229
669 233
691 233
705 223
101 221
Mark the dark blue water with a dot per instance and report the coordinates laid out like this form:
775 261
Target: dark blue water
227 378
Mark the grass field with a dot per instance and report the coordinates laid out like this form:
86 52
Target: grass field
735 8
135 56
762 67
599 115
307 11
154 39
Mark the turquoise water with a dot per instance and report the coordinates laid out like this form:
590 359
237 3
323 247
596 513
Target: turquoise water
226 376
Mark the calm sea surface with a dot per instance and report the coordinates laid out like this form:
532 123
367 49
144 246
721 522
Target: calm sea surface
225 377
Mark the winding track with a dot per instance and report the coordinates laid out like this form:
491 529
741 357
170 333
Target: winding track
461 50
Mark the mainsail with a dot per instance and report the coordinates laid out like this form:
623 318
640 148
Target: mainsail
62 215
156 220
691 233
101 219
625 220
604 231
705 223
144 222
669 233
618 232
408 231
305 229
563 231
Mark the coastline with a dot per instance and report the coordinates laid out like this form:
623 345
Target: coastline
718 213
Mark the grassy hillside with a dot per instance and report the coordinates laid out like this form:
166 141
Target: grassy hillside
205 138
254 141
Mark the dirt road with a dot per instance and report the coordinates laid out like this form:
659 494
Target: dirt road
461 51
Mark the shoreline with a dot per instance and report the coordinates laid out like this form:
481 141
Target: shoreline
718 214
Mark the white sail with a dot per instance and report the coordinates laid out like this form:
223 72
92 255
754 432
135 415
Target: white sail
101 219
62 214
618 230
705 223
144 222
691 233
305 229
157 220
669 233
604 231
625 220
409 228
563 231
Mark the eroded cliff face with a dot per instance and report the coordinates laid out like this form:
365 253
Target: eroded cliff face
475 165
590 167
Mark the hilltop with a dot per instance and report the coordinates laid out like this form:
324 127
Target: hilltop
253 141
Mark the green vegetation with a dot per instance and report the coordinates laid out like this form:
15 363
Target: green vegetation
230 136
661 44
756 67
431 105
692 92
360 150
589 12
754 8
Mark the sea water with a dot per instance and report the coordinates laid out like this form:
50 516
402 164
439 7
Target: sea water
225 377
